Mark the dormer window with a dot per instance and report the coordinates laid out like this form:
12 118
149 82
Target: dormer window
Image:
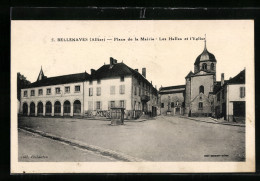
122 78
98 81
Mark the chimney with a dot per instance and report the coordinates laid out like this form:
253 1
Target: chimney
222 79
144 72
111 61
92 71
136 70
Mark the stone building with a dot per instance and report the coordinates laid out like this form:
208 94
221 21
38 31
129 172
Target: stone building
200 84
112 85
202 95
172 100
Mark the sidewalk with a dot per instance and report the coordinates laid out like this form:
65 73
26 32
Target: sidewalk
213 121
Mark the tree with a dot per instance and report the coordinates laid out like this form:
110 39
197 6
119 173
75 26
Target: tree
22 82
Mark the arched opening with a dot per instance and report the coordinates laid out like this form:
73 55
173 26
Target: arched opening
40 108
57 108
204 66
212 66
32 109
66 108
77 107
201 89
48 108
25 108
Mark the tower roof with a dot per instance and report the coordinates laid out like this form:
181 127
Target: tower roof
205 56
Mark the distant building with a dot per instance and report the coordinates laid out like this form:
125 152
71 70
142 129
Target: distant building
172 100
83 94
202 95
229 98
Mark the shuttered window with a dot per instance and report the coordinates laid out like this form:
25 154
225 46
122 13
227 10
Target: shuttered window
112 90
242 92
122 89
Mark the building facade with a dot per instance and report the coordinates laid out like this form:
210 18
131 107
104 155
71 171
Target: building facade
112 85
172 100
202 95
230 98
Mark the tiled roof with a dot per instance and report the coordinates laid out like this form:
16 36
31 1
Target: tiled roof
238 79
64 79
117 70
189 74
172 87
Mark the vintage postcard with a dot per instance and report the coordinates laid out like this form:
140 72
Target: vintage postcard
131 96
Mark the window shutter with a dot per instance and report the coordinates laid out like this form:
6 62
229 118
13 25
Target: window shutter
124 103
108 105
241 92
95 106
100 105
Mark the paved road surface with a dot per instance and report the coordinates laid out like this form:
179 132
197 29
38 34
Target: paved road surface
162 139
34 148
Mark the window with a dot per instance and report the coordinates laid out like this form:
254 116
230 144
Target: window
122 89
77 88
112 104
90 91
201 89
98 105
32 93
242 92
122 78
122 104
212 66
67 89
204 66
48 91
200 105
135 90
223 94
98 81
112 89
98 91
40 92
90 82
162 105
57 90
25 94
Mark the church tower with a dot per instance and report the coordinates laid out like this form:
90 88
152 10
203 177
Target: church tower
200 85
206 62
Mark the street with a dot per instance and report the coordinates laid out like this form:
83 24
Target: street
163 139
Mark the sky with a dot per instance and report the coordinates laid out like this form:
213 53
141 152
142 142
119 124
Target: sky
35 44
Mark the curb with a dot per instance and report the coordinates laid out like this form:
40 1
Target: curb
98 150
228 124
